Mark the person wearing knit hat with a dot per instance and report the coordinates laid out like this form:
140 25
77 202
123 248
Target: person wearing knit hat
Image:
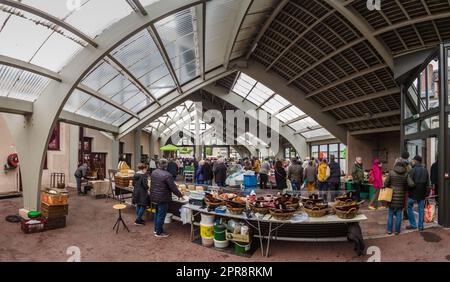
418 193
405 158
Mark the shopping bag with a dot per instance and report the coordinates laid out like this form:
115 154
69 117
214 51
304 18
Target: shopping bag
289 185
430 211
386 194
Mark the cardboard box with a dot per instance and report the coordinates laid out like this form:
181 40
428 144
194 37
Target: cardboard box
23 213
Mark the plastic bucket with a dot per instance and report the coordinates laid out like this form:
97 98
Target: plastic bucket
208 242
219 232
221 244
207 219
241 248
207 231
250 180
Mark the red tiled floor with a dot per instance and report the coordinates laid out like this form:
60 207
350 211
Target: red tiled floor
89 227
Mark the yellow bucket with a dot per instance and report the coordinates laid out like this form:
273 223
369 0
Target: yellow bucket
206 231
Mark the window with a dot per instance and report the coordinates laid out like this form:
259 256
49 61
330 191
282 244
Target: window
338 150
315 151
411 128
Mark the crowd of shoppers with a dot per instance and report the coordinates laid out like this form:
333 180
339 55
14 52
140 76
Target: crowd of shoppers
409 180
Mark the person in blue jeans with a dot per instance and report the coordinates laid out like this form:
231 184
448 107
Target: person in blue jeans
162 187
399 180
140 193
418 193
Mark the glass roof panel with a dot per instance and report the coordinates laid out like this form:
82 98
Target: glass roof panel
141 56
41 42
113 116
178 37
289 114
93 16
19 84
122 120
90 107
218 26
76 100
304 123
100 76
316 133
275 104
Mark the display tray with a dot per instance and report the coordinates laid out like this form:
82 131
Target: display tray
230 249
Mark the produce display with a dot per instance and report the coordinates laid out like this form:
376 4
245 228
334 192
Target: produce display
281 207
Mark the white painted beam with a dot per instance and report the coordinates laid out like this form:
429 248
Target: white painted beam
19 64
15 106
80 120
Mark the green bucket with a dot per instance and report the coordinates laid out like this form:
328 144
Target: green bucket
219 232
241 249
33 214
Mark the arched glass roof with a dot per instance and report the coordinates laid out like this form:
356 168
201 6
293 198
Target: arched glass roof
265 98
323 49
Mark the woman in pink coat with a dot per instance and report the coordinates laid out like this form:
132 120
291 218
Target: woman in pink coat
376 179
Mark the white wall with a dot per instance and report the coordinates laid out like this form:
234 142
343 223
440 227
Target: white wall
9 180
58 161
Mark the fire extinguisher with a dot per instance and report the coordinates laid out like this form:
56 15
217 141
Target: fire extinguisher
12 162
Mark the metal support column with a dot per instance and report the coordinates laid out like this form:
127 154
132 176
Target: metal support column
137 148
444 193
115 144
402 118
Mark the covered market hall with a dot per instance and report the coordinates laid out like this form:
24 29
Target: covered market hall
235 130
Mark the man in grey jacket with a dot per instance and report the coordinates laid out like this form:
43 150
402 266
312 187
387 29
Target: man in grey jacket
79 174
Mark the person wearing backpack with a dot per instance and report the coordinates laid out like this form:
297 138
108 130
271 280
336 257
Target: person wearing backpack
323 173
376 180
398 179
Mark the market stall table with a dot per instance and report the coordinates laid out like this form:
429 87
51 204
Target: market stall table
100 188
321 229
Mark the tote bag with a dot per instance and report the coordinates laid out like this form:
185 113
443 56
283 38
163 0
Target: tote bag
386 194
429 212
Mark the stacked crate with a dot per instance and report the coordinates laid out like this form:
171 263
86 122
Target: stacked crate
54 207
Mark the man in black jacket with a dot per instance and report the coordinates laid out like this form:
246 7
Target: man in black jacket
162 187
172 168
335 176
418 193
220 173
207 173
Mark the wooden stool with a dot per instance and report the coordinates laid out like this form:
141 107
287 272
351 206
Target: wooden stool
120 207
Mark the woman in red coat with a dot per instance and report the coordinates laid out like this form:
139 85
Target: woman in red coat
376 179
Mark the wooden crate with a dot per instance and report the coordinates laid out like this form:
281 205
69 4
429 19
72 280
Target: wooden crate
62 198
54 211
55 223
